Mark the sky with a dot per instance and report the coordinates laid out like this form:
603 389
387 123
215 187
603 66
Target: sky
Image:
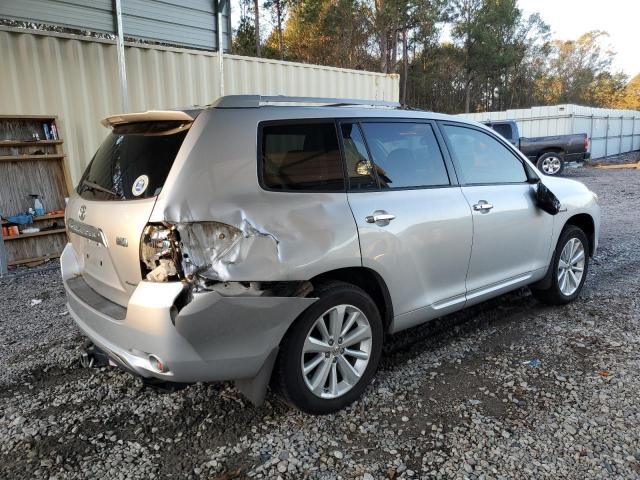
569 19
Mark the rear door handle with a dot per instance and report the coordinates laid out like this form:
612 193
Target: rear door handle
482 206
380 217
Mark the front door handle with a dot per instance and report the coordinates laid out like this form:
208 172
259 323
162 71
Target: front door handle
482 206
380 217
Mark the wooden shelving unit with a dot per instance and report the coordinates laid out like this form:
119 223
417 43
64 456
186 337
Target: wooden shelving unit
32 166
41 218
28 143
17 158
35 234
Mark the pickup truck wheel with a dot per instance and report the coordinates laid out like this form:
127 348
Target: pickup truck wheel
332 351
551 163
569 268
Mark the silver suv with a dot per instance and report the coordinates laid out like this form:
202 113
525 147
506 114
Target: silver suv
262 240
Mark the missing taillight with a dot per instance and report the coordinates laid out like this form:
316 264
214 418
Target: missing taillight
160 255
200 254
197 252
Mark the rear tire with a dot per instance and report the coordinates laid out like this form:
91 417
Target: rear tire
551 163
569 267
331 352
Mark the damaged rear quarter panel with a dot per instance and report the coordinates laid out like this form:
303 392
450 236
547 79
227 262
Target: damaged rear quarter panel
258 326
285 235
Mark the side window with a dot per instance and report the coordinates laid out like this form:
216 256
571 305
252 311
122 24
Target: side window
301 157
503 129
405 154
359 167
480 158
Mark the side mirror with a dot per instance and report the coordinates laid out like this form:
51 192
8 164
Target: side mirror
545 199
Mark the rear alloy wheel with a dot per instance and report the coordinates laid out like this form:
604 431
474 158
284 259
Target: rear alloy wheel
336 351
569 268
551 163
331 353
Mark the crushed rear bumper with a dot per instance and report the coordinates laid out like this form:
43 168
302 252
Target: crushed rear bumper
211 338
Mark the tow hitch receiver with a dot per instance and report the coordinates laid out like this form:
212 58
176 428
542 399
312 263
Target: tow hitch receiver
93 357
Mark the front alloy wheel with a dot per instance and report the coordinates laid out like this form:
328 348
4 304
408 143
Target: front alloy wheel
569 268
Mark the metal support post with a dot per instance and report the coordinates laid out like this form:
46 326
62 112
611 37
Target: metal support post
621 132
121 61
606 139
220 7
591 135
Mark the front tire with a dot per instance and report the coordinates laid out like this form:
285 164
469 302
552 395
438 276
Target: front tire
569 268
551 163
332 351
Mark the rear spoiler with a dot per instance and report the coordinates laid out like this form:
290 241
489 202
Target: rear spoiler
176 118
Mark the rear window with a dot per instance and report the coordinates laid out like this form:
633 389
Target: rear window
130 166
301 157
503 129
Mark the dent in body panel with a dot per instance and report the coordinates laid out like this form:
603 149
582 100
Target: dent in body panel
211 249
205 341
306 240
204 322
283 235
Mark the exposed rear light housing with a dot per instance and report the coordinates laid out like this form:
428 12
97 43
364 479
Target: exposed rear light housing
160 258
194 252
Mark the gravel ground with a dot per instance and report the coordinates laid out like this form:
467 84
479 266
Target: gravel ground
627 157
507 389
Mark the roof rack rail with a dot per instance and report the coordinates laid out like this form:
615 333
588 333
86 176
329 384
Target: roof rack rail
255 101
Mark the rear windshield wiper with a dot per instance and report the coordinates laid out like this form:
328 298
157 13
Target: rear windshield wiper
95 187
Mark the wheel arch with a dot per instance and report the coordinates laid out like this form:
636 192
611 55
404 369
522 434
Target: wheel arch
584 222
551 150
368 280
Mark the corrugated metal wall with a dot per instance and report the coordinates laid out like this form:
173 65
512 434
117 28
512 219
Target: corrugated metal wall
94 15
191 23
77 79
610 131
188 23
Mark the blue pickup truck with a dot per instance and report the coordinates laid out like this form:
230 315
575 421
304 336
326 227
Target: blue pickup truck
548 153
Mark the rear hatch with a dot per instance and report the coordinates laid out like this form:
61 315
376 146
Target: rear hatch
116 196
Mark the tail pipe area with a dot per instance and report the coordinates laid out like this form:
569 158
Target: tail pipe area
94 357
